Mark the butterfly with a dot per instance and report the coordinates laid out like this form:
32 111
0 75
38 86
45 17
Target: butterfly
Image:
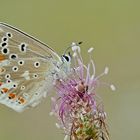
28 68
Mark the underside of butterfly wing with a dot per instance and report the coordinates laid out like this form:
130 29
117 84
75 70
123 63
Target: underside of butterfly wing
27 68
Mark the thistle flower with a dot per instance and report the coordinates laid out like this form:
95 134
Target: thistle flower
79 111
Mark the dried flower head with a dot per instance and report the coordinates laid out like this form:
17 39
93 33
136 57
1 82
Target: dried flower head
80 114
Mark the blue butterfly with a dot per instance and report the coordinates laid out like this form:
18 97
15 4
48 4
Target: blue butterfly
28 68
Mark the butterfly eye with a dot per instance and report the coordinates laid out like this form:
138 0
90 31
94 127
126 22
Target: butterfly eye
66 57
13 56
15 68
9 35
36 64
21 62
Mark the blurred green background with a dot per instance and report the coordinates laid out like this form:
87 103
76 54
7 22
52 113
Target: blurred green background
112 28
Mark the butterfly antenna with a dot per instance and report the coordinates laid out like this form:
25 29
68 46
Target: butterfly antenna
71 47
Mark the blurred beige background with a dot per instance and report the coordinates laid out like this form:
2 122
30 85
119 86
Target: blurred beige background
112 28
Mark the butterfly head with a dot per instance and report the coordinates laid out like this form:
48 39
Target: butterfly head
66 60
66 57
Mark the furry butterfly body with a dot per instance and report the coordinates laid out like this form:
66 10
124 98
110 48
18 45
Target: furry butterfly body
28 68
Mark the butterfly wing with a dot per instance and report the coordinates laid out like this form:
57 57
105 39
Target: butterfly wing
27 68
